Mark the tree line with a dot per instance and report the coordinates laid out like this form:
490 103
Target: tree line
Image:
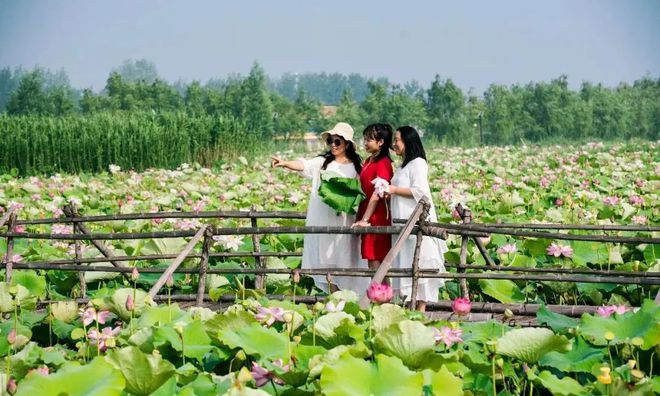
295 103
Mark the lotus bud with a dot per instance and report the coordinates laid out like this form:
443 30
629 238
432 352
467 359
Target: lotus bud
170 281
297 339
130 304
240 355
491 346
11 386
508 314
11 337
499 362
135 275
178 326
296 276
288 317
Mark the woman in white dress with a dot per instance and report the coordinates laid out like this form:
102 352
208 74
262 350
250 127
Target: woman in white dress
409 184
330 250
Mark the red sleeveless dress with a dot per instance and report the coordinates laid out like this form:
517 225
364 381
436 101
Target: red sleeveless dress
375 246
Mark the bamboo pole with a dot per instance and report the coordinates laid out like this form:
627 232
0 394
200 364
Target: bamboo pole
5 217
9 256
466 217
204 264
81 275
260 282
177 261
393 273
384 266
418 245
174 215
86 234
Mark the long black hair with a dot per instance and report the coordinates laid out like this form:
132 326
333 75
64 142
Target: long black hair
380 132
413 144
351 154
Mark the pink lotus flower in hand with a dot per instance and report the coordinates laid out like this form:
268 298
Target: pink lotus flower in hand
461 306
381 186
559 250
270 315
447 335
380 293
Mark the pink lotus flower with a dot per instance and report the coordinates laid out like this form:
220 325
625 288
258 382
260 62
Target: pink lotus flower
262 376
331 307
639 219
461 306
640 183
270 315
559 250
295 197
19 228
380 293
544 182
187 224
61 229
90 315
611 201
636 200
447 335
103 337
16 258
608 310
508 248
41 370
559 202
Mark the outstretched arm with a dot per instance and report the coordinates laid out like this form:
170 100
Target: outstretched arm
295 165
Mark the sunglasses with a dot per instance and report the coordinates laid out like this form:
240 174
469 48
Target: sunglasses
334 142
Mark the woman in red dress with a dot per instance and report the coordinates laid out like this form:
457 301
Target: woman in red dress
374 211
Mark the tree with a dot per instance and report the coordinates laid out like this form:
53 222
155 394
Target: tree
29 97
139 70
445 106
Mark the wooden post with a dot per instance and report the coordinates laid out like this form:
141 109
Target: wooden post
418 245
466 217
483 251
177 261
381 272
259 283
9 257
98 244
78 250
204 265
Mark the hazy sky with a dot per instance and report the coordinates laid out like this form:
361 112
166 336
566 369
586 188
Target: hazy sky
473 42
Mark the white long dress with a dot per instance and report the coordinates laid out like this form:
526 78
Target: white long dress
331 250
431 256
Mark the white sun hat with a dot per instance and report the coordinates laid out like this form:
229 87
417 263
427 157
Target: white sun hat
341 129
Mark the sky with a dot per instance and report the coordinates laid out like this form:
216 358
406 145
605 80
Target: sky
475 43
